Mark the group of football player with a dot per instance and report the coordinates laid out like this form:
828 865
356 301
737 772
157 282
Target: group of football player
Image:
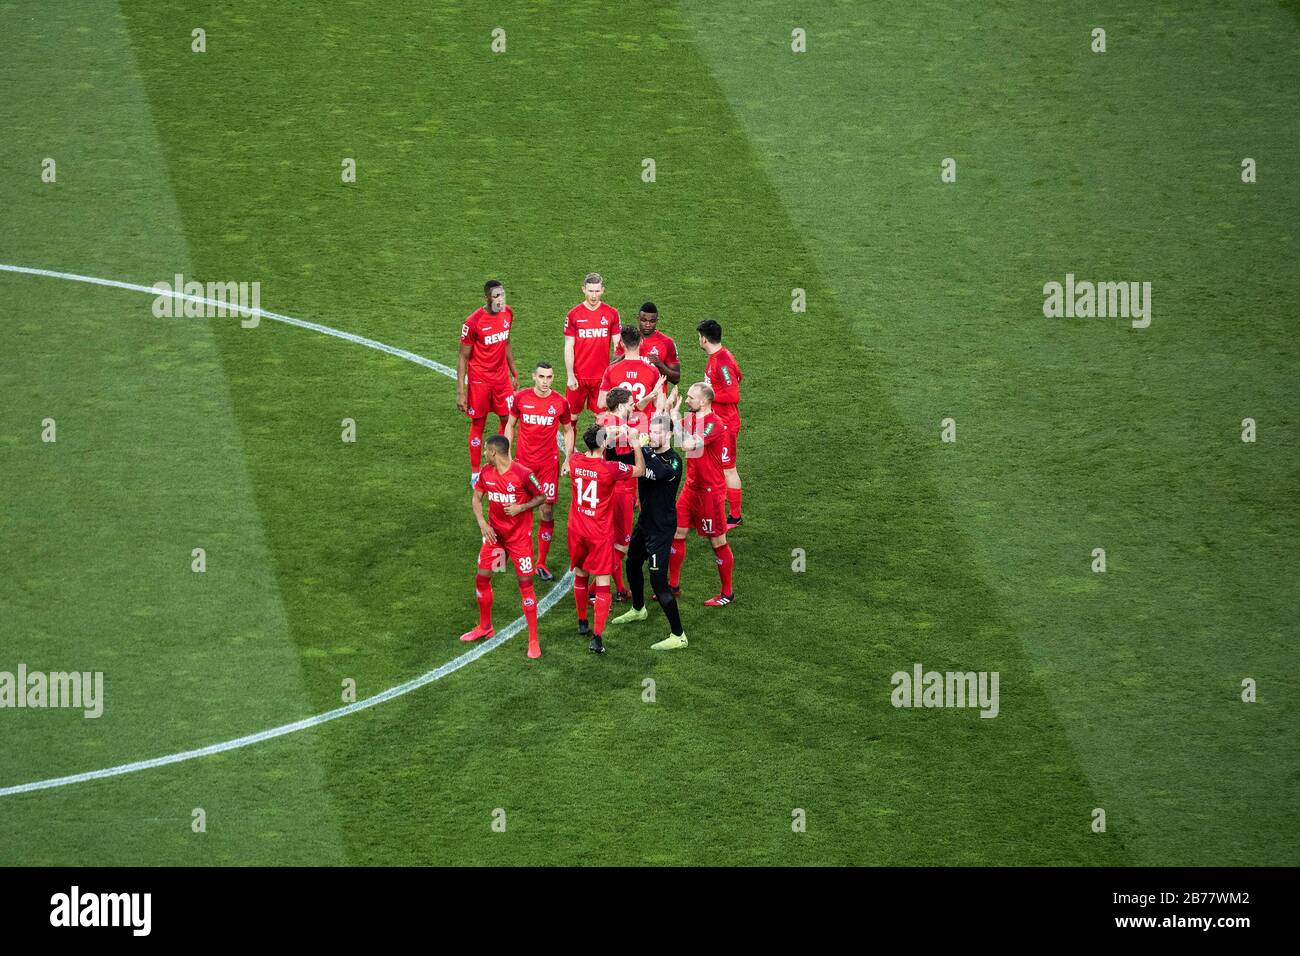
625 464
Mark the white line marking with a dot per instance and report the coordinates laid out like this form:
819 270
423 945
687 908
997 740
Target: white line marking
243 310
552 597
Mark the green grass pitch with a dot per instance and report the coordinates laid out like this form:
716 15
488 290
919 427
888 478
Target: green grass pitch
775 170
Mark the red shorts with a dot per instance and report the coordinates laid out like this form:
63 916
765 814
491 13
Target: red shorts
621 517
704 509
548 476
729 446
484 398
519 552
585 394
591 555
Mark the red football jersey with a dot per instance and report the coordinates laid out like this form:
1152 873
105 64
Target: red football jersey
656 343
636 375
591 330
704 465
518 485
639 424
539 419
723 375
487 334
593 482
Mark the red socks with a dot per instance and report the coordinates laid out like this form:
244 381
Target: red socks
476 443
726 561
733 502
544 535
676 555
580 596
529 598
602 608
483 593
618 570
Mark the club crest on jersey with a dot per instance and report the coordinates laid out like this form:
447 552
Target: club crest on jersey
551 410
510 486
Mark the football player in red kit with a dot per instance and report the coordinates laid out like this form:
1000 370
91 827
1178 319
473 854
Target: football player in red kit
621 418
591 547
633 373
656 348
539 413
512 492
589 328
485 369
722 374
702 504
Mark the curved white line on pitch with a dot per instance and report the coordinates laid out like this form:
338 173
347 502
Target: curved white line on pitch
242 310
552 597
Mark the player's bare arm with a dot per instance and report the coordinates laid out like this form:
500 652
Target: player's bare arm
651 398
511 420
638 469
476 502
568 448
655 397
570 378
510 366
462 367
672 408
514 509
672 401
671 372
